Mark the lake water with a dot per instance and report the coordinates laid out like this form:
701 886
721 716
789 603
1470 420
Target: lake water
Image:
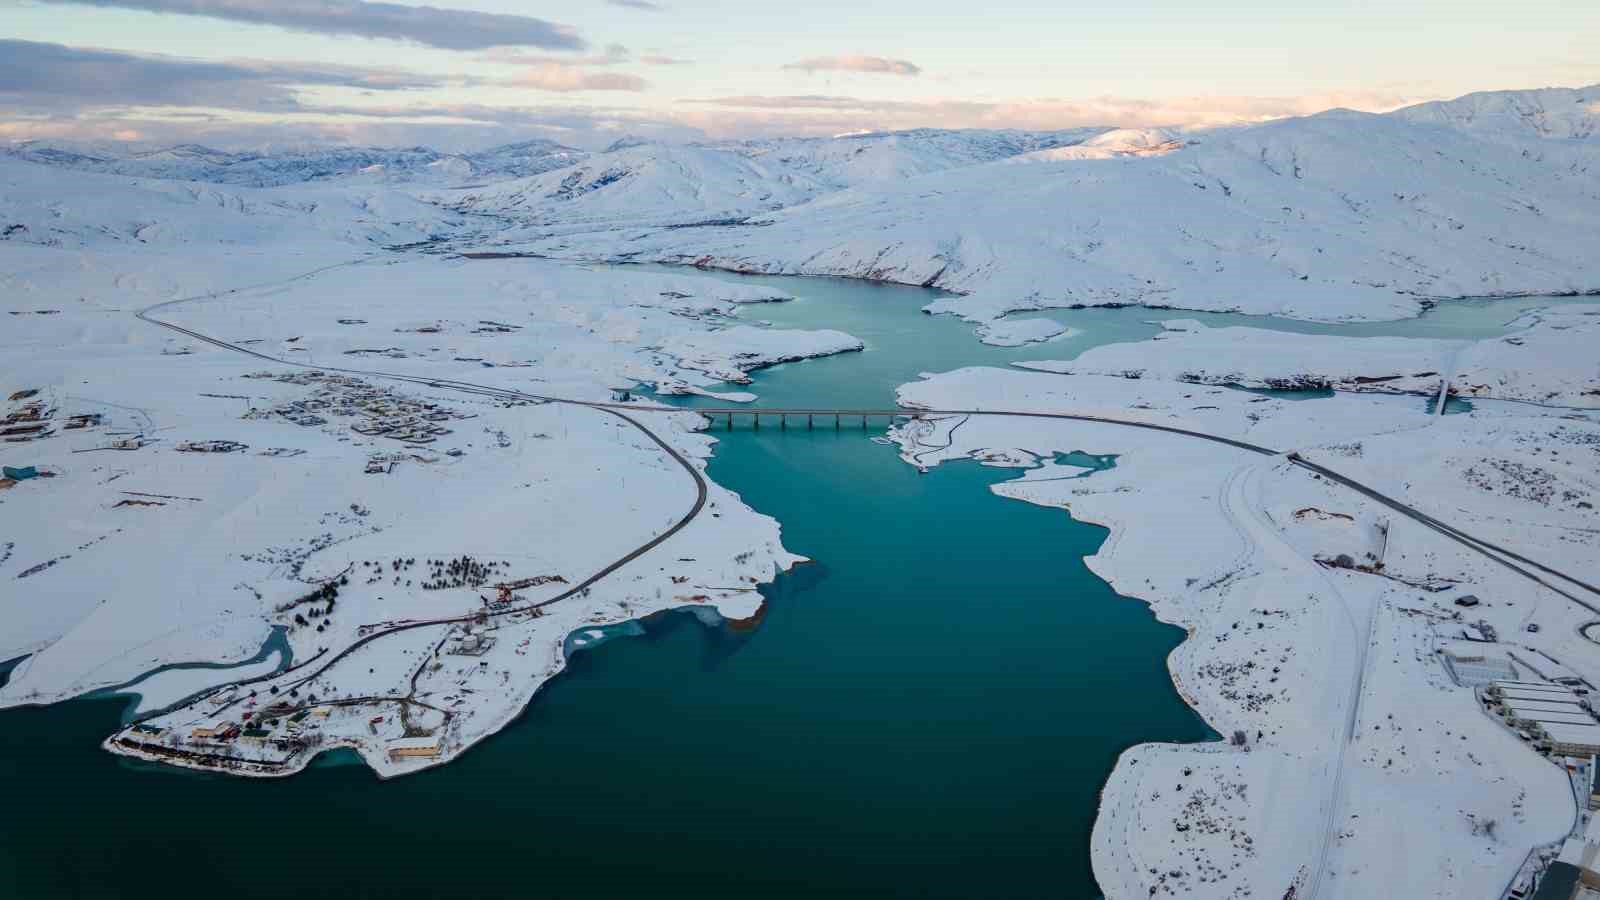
929 710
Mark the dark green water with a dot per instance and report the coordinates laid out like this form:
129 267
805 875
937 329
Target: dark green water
928 711
907 720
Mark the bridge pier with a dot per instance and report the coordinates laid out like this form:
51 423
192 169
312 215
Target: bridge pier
758 421
809 423
783 421
863 421
730 421
835 421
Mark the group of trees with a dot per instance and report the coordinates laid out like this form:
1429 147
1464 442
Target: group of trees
329 594
463 571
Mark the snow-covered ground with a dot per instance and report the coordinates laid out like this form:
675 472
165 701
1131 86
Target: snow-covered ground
1016 332
1550 359
159 554
1338 216
1353 764
1360 768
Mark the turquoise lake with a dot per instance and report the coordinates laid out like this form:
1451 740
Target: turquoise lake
928 710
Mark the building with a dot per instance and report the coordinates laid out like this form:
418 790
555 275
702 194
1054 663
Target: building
1559 882
221 731
414 748
471 644
1477 669
147 732
1529 720
1467 600
1594 782
1564 739
20 473
1535 691
1545 707
210 446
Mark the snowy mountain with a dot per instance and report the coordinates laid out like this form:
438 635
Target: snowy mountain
1341 215
1335 216
638 183
52 206
883 157
193 162
1559 113
645 184
522 159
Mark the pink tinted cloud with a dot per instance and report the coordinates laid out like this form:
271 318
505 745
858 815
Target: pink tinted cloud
558 76
871 65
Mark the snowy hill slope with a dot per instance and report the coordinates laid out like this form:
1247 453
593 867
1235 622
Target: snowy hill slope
1110 145
192 162
647 184
1560 113
1340 215
51 206
884 157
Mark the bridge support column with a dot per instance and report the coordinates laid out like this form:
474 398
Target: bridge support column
758 421
809 423
863 422
730 421
783 421
835 421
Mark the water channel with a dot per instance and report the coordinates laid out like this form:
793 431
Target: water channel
928 710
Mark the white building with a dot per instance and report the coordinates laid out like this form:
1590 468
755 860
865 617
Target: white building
1476 669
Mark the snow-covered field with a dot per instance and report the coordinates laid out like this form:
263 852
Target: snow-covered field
1353 763
144 557
196 497
1550 358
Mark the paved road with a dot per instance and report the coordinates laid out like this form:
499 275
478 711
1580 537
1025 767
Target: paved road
1496 552
628 411
688 467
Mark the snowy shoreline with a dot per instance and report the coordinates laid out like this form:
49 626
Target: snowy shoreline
1226 547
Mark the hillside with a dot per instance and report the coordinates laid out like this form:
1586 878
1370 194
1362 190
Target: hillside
1342 215
644 184
55 207
857 160
373 165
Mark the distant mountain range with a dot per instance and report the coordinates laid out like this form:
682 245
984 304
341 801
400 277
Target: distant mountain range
1338 215
193 162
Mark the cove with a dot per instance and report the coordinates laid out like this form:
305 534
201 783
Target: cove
276 643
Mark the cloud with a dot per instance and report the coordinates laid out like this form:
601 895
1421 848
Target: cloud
50 90
558 76
451 29
872 65
655 59
831 114
614 54
644 5
54 78
446 127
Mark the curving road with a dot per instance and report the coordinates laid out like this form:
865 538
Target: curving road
626 411
1493 551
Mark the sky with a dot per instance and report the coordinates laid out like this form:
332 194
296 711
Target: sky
467 74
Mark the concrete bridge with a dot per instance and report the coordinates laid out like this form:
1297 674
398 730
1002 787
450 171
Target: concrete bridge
837 418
